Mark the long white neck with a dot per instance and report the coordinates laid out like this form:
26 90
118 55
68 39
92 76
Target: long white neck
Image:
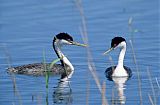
119 70
121 55
64 60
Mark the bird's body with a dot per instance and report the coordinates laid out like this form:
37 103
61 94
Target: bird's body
120 70
111 70
41 68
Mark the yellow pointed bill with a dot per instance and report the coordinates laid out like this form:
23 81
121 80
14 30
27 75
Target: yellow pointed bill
109 50
79 44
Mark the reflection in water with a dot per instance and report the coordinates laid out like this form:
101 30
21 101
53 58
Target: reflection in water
120 86
119 83
63 93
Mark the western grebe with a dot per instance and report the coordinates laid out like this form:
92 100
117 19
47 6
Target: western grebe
120 70
40 68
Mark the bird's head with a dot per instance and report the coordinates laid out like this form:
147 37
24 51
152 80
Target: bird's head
66 39
117 42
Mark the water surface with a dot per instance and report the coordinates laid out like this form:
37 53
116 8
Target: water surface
26 31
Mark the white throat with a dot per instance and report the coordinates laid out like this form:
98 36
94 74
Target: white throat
62 56
119 70
122 54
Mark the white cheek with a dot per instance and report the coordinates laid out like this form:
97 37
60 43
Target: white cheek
64 42
119 45
122 44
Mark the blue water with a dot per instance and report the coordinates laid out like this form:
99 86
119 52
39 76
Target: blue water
27 28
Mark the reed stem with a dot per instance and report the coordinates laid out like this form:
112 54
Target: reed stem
138 73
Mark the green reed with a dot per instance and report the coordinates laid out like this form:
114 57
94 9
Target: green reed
47 68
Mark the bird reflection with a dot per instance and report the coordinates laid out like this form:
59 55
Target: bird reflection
120 86
62 92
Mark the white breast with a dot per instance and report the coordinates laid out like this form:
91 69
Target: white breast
119 72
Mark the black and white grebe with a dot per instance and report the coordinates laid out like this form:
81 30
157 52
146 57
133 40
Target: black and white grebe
120 70
40 68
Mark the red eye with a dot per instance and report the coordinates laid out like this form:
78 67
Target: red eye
115 45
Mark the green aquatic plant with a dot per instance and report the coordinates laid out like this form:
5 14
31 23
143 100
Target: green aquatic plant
53 62
48 69
45 67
